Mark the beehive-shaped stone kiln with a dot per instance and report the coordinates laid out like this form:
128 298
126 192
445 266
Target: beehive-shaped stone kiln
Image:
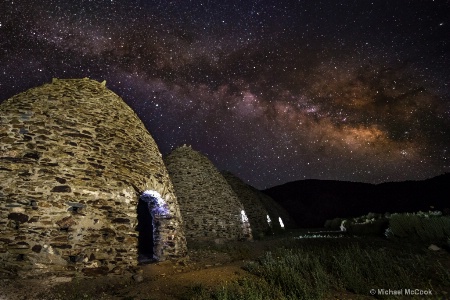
258 215
266 216
210 208
77 171
280 218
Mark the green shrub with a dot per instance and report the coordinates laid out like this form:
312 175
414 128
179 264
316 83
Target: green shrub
198 292
420 227
299 274
377 227
249 289
357 269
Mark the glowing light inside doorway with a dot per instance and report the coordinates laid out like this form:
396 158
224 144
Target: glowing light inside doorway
244 216
269 221
281 222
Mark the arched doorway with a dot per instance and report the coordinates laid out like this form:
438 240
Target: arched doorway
153 216
145 229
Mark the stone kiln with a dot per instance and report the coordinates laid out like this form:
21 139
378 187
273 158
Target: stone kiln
279 217
263 212
258 215
75 161
210 208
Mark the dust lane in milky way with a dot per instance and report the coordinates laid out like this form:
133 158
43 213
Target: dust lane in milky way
273 92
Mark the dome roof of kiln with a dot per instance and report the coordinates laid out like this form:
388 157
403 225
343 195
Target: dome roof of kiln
209 206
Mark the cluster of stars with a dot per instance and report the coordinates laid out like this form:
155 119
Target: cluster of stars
273 92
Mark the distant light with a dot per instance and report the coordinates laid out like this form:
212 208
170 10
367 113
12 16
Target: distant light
319 236
269 221
281 222
244 216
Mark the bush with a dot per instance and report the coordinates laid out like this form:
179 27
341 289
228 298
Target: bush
357 269
251 289
377 227
435 229
300 275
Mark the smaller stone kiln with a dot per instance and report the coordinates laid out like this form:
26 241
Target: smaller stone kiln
209 206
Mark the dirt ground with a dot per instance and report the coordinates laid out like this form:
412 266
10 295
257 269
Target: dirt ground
204 268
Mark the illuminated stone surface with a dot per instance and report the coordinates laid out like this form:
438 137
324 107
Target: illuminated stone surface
74 159
254 209
258 206
210 208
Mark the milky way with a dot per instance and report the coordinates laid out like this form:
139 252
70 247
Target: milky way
273 91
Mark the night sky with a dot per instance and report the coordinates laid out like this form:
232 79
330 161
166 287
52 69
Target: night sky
273 91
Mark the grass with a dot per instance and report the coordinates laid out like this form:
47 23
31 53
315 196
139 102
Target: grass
432 229
236 250
314 270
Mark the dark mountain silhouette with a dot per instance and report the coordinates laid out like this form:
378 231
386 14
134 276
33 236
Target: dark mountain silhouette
311 202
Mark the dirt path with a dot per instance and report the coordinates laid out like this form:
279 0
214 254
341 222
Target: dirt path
175 286
159 281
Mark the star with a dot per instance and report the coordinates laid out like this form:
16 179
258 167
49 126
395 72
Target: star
272 92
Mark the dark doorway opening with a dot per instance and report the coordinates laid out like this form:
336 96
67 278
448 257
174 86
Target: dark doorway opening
145 229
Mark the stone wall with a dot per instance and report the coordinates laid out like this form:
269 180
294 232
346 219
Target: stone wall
210 208
74 159
250 198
